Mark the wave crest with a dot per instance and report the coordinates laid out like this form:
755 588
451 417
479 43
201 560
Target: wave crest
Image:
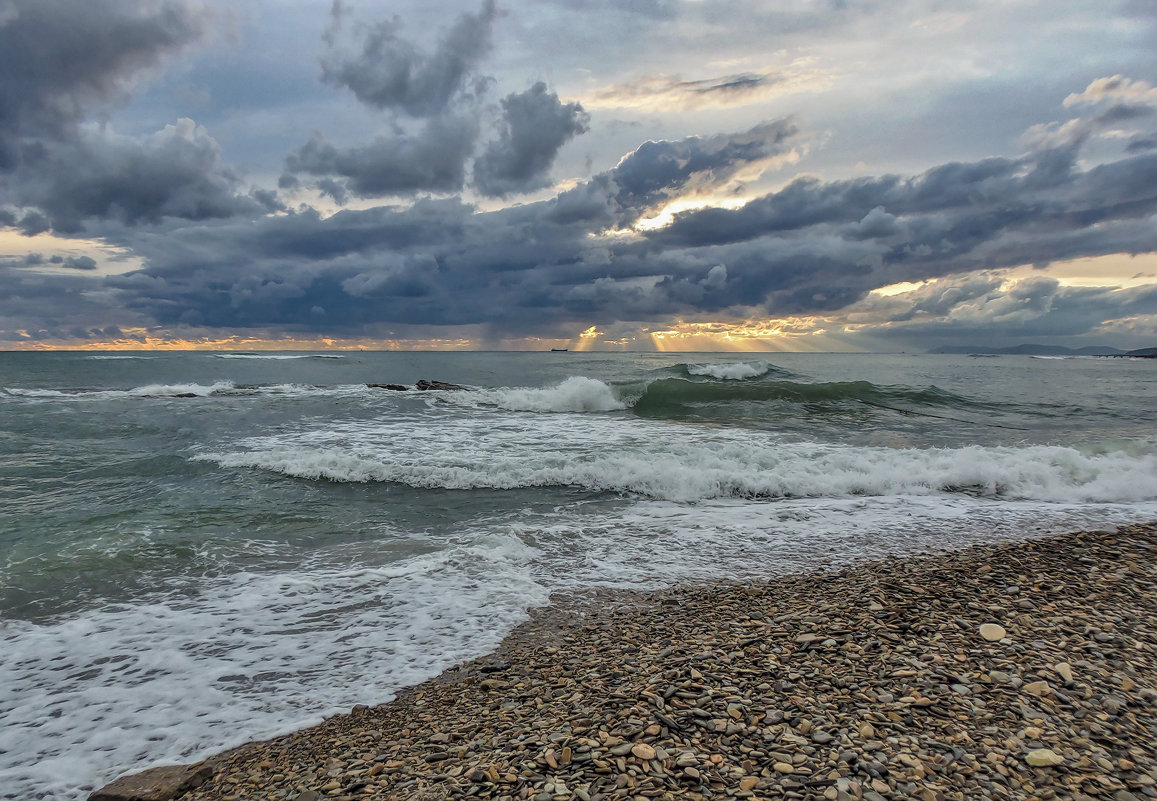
729 467
731 371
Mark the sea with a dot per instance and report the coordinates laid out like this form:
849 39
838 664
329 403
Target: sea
198 549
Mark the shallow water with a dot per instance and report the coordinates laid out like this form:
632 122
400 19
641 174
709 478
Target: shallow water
201 549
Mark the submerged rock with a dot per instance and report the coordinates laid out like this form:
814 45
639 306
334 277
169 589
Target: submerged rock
425 385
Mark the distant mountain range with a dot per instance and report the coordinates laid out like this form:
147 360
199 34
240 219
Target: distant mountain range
1047 350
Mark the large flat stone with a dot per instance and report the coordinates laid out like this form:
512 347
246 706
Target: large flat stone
156 784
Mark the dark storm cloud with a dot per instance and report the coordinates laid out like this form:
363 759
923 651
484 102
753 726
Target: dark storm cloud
58 58
175 172
812 248
432 158
61 60
386 71
658 171
535 125
36 306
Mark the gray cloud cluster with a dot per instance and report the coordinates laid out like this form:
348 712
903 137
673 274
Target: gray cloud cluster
432 159
214 256
58 58
388 71
176 172
535 124
58 61
813 247
657 171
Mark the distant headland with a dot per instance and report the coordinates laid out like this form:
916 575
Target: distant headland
1048 350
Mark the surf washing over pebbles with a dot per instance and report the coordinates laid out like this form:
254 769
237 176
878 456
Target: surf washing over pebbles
197 551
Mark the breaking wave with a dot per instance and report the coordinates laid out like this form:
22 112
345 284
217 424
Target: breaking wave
223 389
148 391
731 371
700 467
673 397
575 394
276 356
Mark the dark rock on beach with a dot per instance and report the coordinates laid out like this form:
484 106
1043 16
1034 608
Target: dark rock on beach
920 678
395 387
155 784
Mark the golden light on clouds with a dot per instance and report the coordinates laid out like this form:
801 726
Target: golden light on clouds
666 93
110 260
144 339
1118 269
775 335
898 289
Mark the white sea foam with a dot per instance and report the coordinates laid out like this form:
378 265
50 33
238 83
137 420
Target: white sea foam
111 358
148 391
680 463
244 657
730 371
216 389
276 356
250 655
172 390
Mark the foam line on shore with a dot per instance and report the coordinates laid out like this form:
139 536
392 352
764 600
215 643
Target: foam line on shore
797 684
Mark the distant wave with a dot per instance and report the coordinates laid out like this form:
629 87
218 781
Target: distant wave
673 397
732 371
276 356
216 389
730 467
147 391
110 358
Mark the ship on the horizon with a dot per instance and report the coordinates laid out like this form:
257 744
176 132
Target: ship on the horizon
558 350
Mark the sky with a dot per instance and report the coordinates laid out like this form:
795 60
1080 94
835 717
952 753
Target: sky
804 175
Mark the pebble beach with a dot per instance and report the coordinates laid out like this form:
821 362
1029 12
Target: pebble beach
1025 670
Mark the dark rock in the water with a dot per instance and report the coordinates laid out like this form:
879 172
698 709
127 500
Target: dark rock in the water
184 395
155 784
395 387
425 385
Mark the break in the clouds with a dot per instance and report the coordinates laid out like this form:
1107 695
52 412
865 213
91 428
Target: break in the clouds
501 170
659 93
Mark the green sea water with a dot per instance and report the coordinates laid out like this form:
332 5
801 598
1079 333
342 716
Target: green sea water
198 549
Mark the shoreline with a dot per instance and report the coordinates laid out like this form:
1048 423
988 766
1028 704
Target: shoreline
872 681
